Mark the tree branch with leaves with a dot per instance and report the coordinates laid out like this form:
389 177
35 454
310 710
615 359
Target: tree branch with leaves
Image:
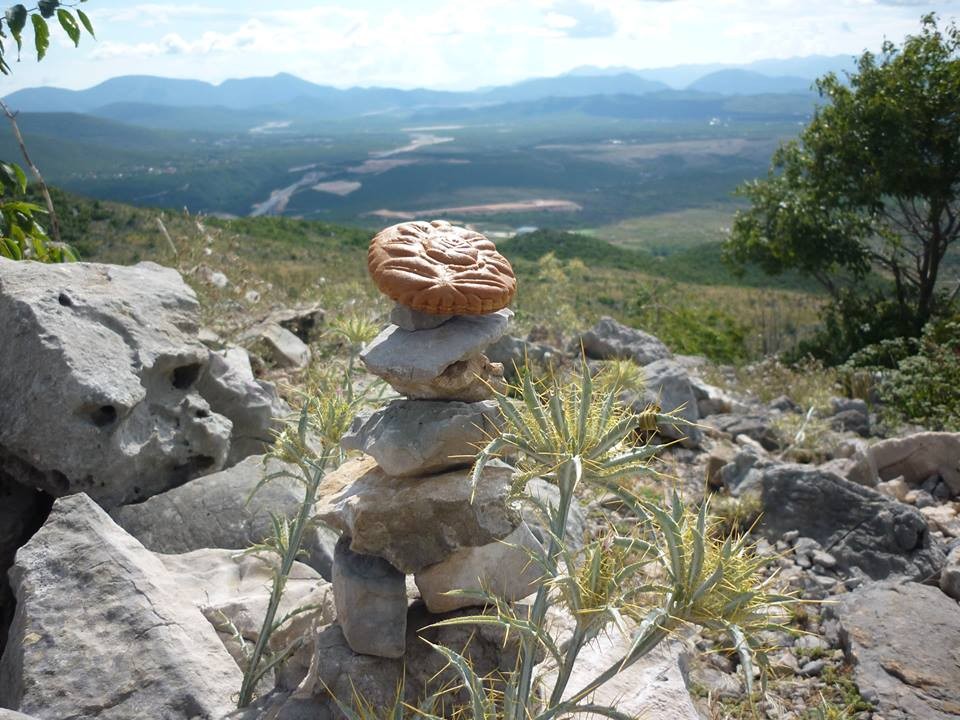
21 236
871 187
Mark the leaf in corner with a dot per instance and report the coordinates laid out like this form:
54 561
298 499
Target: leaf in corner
16 20
69 25
41 35
85 21
48 7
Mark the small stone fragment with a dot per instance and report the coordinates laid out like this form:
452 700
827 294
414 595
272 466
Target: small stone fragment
504 568
371 599
409 319
950 575
280 346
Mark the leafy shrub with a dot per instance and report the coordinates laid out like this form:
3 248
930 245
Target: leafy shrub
852 322
924 387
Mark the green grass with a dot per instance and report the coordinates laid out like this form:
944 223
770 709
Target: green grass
665 233
566 281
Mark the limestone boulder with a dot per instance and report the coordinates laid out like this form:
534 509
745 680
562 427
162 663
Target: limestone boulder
914 457
218 511
418 437
757 426
711 400
654 686
516 353
610 340
101 629
304 320
903 641
505 568
98 372
668 385
252 406
22 512
859 526
232 590
416 522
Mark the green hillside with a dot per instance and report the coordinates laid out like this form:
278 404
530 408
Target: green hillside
566 280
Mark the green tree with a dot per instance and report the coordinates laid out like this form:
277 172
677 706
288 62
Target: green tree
871 188
21 236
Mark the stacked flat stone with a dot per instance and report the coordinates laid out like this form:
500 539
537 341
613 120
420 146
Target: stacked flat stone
405 507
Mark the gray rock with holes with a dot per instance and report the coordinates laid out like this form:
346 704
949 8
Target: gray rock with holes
251 405
98 373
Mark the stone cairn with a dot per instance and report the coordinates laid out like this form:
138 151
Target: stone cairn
405 508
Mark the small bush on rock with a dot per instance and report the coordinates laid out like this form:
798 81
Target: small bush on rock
919 380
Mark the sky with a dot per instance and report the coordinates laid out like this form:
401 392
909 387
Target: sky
453 44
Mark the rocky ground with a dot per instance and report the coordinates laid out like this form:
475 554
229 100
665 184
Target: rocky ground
132 439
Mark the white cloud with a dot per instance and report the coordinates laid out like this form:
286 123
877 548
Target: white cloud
451 43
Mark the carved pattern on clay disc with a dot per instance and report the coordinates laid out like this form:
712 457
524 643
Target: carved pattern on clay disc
440 269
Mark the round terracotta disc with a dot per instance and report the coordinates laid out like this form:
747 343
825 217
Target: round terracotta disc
440 269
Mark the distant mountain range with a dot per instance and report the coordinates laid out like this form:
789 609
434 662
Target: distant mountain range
118 97
680 77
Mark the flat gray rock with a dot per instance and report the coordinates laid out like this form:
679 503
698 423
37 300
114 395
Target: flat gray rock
106 360
421 356
102 631
234 588
904 643
857 525
213 512
411 437
415 522
653 687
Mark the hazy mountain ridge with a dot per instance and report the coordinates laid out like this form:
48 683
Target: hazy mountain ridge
772 76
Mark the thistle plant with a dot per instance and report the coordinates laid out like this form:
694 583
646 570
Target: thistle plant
357 330
310 448
576 434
